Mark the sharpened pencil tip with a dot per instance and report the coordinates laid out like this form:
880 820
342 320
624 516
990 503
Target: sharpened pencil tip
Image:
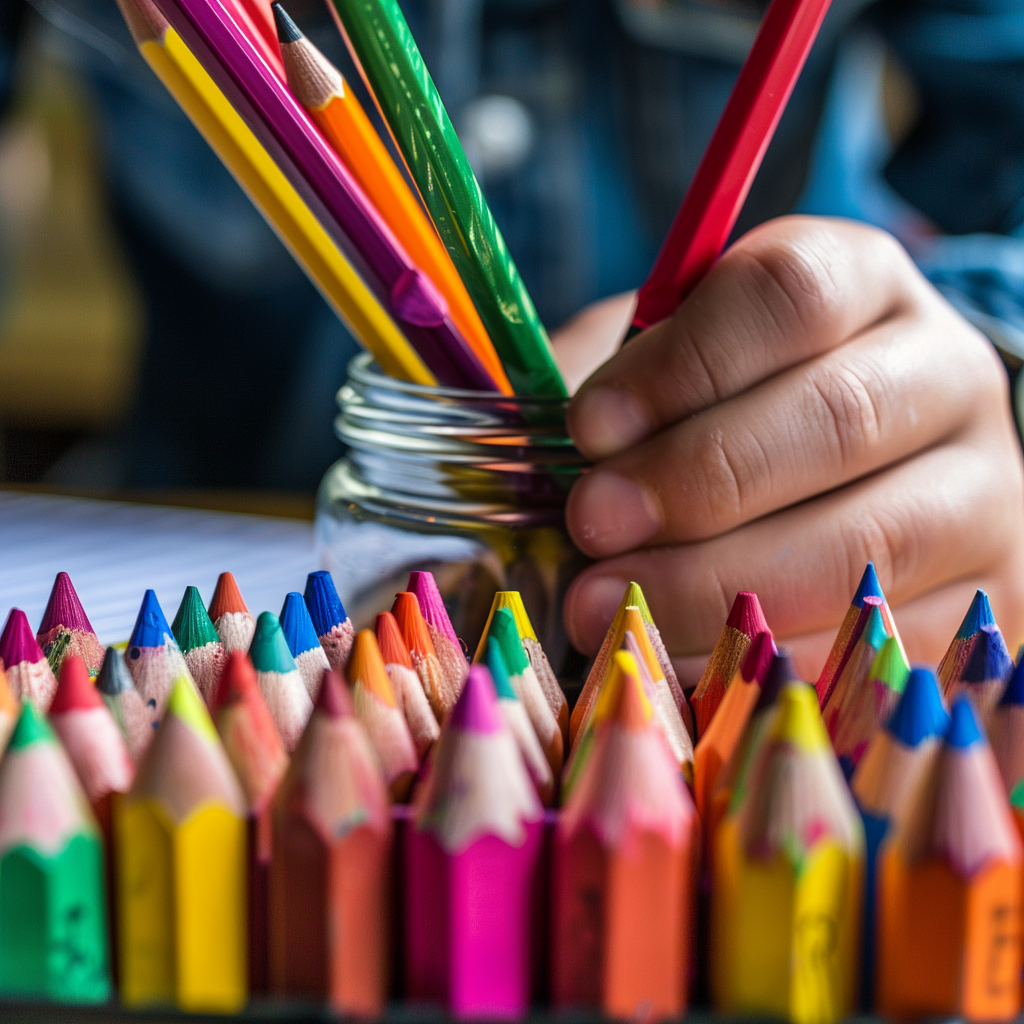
287 30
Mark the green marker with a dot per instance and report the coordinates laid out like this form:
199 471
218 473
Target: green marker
53 924
380 41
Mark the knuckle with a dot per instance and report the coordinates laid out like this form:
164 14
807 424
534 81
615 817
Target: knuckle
884 537
849 412
726 471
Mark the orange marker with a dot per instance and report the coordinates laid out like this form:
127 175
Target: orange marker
320 88
950 890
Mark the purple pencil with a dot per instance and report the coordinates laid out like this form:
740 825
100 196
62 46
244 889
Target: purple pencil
297 146
474 867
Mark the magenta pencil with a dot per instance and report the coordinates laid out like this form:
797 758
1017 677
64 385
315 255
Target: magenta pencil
28 672
302 153
66 629
474 867
447 644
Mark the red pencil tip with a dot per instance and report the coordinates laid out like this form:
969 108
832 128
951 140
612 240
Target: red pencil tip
75 691
237 679
227 598
334 700
746 615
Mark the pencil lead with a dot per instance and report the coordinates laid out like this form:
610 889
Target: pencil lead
28 672
978 615
192 626
963 731
440 692
64 608
450 651
919 713
117 688
495 661
227 598
476 710
329 618
868 586
389 639
114 677
287 30
151 629
230 615
334 699
269 649
66 629
406 684
75 691
746 614
300 635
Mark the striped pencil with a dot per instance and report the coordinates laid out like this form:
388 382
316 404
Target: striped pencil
28 672
200 645
66 629
310 657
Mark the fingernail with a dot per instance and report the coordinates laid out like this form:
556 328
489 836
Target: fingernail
609 514
606 420
591 605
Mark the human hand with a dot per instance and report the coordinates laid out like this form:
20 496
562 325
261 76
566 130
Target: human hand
813 404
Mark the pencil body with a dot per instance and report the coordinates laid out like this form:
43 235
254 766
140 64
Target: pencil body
28 672
230 615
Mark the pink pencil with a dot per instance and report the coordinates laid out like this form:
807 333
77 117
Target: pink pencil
28 672
66 629
474 867
447 644
302 153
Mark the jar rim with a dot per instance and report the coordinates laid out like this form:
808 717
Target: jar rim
364 370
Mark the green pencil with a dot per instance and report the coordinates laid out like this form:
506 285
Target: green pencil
382 45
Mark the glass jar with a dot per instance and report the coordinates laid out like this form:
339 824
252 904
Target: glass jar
470 485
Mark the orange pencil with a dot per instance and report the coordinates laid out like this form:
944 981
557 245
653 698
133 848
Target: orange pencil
330 880
406 684
320 88
440 693
745 621
950 890
623 868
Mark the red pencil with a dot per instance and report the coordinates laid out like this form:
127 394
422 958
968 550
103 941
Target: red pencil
716 195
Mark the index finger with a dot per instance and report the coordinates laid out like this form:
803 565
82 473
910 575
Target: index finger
787 291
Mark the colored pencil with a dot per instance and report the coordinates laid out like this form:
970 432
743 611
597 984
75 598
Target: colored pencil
115 685
330 619
867 709
254 748
440 692
181 857
200 645
469 942
405 684
323 92
730 784
153 657
527 688
985 673
850 630
10 709
1006 730
745 621
553 692
950 890
66 628
632 598
854 675
623 885
719 188
722 735
389 60
53 929
230 615
337 201
330 880
380 715
271 192
788 879
978 614
258 20
310 657
450 650
28 672
279 680
517 721
896 758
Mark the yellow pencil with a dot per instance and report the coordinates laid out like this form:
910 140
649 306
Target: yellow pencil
274 196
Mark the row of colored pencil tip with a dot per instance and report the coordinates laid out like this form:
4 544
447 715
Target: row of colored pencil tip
904 896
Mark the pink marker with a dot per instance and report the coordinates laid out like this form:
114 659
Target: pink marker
28 672
474 867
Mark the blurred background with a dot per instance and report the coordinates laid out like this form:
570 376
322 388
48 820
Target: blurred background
154 335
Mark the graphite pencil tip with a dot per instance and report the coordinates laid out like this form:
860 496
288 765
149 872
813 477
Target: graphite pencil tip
323 602
114 677
75 691
287 30
269 649
746 614
192 626
919 713
64 608
989 657
151 629
297 625
963 731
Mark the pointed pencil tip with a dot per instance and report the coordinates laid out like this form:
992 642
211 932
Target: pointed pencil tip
334 699
64 608
746 614
287 30
979 614
75 691
759 658
151 629
919 713
323 602
989 657
476 710
963 730
297 626
269 649
868 586
114 677
18 642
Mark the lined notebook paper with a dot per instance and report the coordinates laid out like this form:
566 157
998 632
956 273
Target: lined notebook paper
115 551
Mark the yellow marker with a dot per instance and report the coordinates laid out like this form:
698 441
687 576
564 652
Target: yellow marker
789 866
271 192
181 843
